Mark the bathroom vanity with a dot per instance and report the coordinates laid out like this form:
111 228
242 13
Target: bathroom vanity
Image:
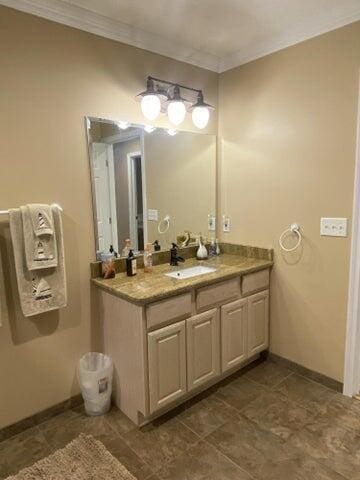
172 338
177 330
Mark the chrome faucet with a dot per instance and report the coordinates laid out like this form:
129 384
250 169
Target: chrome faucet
174 258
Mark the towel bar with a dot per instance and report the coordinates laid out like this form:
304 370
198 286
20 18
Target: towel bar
5 212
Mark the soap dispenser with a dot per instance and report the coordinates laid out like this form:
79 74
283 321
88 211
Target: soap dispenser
201 253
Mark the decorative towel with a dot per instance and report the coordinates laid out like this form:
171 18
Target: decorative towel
39 290
39 236
41 218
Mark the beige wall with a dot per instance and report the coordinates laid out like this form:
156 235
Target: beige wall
50 77
287 124
180 182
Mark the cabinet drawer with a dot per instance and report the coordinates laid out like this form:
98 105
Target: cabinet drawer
167 310
214 295
253 282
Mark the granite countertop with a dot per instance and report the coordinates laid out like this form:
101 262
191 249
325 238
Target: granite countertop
145 288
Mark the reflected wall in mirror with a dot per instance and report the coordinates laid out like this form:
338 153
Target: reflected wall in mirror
150 185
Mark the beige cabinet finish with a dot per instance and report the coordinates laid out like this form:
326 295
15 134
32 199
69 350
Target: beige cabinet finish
234 327
167 365
214 295
168 351
203 348
258 323
174 308
253 282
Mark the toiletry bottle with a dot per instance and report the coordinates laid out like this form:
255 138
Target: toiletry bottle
107 265
156 246
148 262
131 264
111 250
201 253
212 248
126 250
217 247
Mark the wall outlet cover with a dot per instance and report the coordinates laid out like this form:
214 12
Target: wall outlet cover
226 223
153 215
211 223
333 227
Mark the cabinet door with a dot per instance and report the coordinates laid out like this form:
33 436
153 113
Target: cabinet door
167 365
234 320
203 348
258 325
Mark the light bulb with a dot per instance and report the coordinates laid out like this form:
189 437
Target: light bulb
149 128
200 116
150 106
176 112
172 132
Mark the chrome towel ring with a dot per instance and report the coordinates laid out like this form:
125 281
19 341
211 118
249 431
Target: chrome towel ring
166 222
294 229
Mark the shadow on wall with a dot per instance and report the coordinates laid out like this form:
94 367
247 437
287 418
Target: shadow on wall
307 253
24 329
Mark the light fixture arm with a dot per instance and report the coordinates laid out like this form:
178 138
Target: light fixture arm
173 84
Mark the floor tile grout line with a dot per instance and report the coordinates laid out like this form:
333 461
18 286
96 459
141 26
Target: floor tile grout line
168 461
230 460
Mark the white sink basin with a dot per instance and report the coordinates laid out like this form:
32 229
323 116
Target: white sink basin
190 272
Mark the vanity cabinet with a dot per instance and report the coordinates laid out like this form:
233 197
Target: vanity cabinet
258 322
167 365
203 348
234 329
167 351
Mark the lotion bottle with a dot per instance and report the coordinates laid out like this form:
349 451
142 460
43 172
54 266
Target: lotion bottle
148 262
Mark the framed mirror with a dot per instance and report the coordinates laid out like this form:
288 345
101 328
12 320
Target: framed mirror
150 185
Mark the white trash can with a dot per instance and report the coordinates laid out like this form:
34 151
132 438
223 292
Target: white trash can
95 374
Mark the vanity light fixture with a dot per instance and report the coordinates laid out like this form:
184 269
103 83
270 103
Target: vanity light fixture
172 131
150 101
123 125
200 112
176 109
165 96
149 128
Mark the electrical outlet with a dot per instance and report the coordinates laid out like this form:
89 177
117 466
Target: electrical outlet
153 215
211 223
333 227
226 223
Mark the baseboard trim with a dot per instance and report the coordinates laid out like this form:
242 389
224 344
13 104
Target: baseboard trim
40 417
306 372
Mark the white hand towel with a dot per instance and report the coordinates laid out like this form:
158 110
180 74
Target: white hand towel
39 236
41 218
39 290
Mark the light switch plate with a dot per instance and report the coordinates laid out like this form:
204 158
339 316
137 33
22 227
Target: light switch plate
211 223
153 215
226 223
333 227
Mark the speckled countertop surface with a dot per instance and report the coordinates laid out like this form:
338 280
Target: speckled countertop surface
145 288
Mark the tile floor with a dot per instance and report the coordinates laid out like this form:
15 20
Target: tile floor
267 423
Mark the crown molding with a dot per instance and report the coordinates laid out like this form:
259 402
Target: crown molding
71 15
284 41
83 19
